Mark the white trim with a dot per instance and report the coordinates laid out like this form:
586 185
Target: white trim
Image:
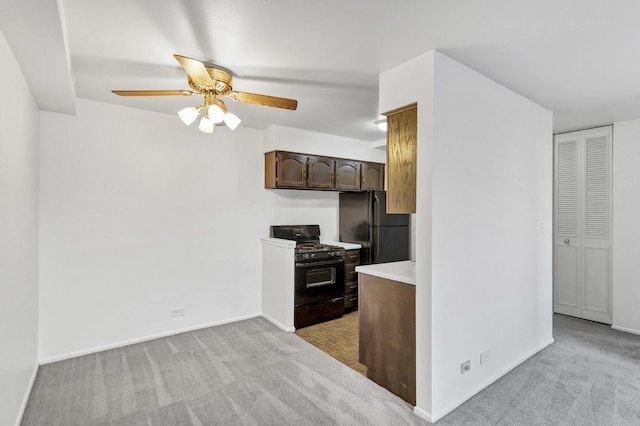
278 324
626 330
423 414
279 242
27 394
481 387
69 355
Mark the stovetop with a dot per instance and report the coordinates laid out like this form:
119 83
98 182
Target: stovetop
308 245
318 251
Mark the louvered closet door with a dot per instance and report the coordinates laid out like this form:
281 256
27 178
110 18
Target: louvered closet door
596 229
567 292
582 249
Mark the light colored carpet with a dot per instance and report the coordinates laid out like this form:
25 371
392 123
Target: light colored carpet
245 373
589 376
252 373
338 338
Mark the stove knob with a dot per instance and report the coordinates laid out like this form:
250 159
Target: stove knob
331 253
313 255
305 256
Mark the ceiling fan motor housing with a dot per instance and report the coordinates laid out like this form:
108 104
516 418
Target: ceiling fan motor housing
222 82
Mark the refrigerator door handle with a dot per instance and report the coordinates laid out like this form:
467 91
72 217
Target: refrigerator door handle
376 203
377 243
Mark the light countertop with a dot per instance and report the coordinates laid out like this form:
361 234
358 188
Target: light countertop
346 246
404 272
278 242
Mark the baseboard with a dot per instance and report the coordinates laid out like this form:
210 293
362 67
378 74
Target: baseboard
423 414
441 414
278 324
26 395
75 354
626 330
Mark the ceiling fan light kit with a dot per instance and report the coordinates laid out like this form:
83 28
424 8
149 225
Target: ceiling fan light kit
211 82
216 113
231 120
206 124
188 115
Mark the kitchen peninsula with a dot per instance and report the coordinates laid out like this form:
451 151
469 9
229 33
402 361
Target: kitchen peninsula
388 326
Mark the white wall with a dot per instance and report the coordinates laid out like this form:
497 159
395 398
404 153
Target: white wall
140 214
483 267
492 264
416 78
305 141
626 234
18 237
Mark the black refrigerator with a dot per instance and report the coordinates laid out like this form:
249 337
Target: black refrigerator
363 219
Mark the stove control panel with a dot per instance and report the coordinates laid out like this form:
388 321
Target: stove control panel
321 255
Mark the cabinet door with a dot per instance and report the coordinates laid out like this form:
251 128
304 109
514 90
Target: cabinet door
347 175
372 176
401 160
320 172
352 257
351 260
292 170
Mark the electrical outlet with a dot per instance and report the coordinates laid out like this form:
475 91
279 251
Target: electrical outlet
465 366
176 312
484 357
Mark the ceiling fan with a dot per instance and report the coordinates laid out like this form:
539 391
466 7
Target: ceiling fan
212 83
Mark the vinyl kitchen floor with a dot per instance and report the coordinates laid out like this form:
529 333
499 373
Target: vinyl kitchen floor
338 338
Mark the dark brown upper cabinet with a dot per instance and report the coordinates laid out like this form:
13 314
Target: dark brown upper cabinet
306 171
320 172
347 175
372 177
285 170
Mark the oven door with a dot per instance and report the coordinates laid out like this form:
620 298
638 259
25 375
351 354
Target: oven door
319 281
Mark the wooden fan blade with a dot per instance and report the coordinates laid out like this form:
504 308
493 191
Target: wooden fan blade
265 100
196 70
153 92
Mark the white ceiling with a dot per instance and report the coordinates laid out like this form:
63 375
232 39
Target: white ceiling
578 58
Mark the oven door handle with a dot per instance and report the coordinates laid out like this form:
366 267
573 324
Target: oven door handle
322 263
